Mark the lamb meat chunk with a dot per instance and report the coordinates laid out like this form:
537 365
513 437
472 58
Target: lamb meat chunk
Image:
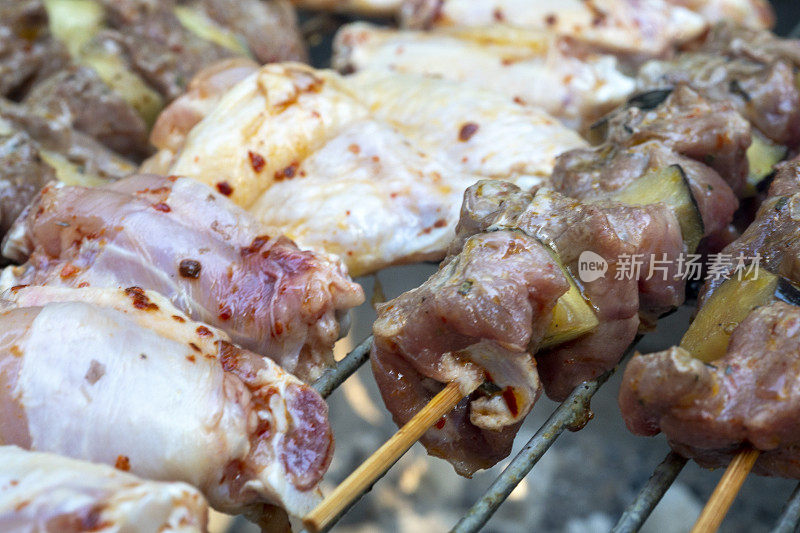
27 49
269 27
592 173
709 131
88 156
474 321
613 232
753 70
748 398
191 244
78 97
22 174
773 235
156 45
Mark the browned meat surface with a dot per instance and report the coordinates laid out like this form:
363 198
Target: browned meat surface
478 319
156 45
27 50
754 70
191 244
775 232
611 231
270 28
78 97
89 157
22 174
750 397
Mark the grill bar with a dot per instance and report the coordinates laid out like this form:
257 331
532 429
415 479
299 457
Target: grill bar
573 413
345 368
660 481
790 517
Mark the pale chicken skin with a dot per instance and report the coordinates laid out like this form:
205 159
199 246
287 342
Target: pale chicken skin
532 67
121 377
47 492
649 27
296 146
189 243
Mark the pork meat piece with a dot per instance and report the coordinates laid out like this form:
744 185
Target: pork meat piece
121 377
478 319
753 70
191 244
613 232
28 51
78 97
710 412
47 492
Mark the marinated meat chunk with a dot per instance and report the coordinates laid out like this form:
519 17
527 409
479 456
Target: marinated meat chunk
710 412
78 97
268 27
77 158
478 319
27 50
121 377
22 174
711 132
191 244
613 232
70 496
773 235
753 70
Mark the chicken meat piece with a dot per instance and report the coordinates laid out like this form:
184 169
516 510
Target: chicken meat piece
613 232
478 319
121 377
752 70
533 68
191 244
636 27
320 140
47 492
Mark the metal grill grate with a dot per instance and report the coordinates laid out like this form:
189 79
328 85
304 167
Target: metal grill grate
573 413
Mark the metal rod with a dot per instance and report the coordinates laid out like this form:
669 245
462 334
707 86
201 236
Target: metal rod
660 481
333 377
790 516
574 412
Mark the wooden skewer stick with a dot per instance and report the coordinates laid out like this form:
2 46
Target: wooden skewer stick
380 461
725 492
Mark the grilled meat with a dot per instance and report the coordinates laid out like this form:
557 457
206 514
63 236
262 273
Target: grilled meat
104 374
533 68
189 243
321 138
752 70
46 492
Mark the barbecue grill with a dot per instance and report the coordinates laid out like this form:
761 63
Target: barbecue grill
573 413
